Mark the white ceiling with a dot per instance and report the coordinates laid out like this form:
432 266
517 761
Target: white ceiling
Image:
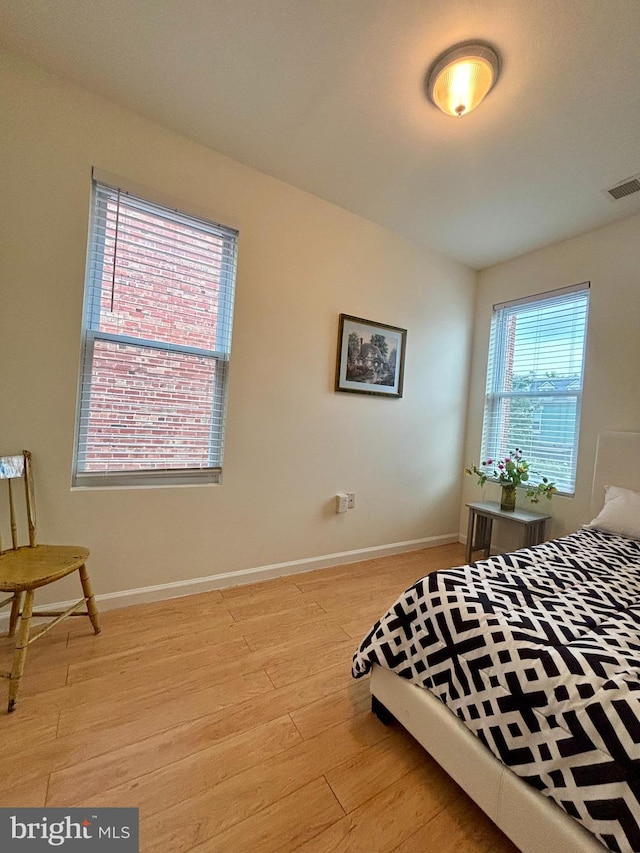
328 95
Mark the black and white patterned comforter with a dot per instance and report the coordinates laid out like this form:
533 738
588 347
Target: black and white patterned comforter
538 652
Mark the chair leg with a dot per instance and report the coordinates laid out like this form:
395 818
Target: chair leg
20 652
15 612
89 598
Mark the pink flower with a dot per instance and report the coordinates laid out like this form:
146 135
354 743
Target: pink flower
489 462
500 465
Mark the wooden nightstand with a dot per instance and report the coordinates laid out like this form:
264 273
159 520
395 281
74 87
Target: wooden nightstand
481 517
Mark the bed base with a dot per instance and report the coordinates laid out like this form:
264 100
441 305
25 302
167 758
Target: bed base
533 822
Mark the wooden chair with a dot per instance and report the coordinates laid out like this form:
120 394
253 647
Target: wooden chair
25 568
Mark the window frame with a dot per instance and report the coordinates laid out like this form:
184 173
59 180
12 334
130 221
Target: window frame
497 367
91 334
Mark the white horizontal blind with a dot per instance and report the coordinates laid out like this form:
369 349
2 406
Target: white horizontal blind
534 383
156 344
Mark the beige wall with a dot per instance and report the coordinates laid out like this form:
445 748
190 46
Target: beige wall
292 442
610 259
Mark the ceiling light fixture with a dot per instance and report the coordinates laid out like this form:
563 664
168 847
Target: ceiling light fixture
462 76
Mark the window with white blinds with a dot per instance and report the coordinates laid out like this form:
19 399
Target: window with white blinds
534 382
156 344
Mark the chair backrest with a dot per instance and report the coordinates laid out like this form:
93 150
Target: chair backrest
18 468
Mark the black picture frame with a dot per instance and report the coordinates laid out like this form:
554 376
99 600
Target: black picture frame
370 358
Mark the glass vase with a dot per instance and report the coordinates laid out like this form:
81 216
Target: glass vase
508 498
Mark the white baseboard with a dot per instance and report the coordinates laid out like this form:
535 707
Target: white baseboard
177 589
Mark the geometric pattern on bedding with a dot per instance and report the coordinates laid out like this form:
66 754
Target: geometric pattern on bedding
538 653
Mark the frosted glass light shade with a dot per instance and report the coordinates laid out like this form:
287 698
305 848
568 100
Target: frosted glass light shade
460 78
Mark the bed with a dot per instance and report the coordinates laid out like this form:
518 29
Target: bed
520 674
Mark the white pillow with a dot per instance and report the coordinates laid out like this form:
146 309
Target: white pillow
620 513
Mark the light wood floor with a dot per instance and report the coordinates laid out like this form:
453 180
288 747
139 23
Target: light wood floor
231 720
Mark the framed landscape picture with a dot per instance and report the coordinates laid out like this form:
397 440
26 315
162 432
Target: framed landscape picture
370 357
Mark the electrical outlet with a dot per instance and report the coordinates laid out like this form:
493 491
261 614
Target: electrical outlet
351 500
341 502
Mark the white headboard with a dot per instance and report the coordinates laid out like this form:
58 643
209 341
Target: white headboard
617 464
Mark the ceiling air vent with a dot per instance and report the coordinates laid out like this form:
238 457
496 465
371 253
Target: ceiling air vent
624 188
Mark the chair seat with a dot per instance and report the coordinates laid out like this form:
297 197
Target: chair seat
29 568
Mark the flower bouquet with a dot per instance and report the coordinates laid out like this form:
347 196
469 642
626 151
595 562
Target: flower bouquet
510 472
